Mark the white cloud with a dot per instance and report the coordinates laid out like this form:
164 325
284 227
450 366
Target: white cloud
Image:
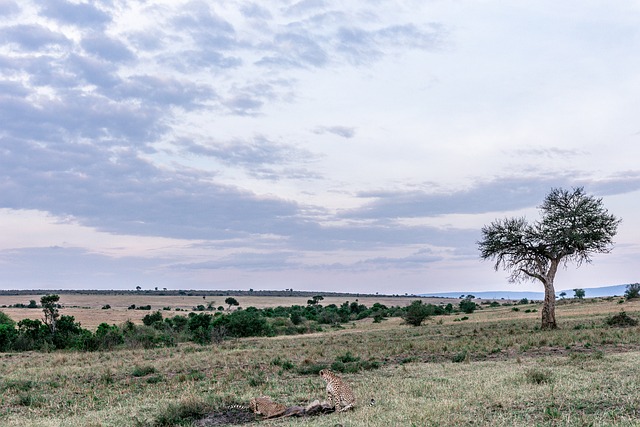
293 145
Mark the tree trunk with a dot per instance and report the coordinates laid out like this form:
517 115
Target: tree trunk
549 306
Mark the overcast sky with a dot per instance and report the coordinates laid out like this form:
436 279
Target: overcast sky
317 145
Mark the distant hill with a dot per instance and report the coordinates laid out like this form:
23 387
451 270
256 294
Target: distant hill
605 291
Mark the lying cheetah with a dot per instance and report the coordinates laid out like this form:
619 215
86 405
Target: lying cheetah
339 394
266 407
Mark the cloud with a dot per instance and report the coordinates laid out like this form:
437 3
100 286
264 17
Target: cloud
261 157
107 48
59 268
343 131
247 261
8 8
548 152
79 14
32 37
165 91
207 29
497 195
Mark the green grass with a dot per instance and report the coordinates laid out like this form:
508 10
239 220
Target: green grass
508 373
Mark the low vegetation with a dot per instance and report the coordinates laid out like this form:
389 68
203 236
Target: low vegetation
498 368
202 325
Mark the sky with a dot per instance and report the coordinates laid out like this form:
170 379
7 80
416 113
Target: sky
310 145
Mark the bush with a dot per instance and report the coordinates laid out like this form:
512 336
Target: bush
152 319
538 376
467 306
8 334
182 413
633 291
141 371
246 324
6 320
416 313
621 320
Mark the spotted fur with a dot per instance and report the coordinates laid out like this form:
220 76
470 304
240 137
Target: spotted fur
339 394
266 407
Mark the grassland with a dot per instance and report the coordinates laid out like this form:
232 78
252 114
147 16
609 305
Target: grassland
495 368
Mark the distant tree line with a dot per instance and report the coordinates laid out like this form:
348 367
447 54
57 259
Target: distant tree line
58 331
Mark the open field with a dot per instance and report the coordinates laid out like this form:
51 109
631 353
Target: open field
495 369
87 309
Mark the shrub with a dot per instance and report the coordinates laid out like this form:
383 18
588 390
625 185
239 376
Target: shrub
416 313
6 320
460 356
467 306
106 307
141 371
152 319
633 291
538 376
309 368
621 319
8 334
246 324
182 413
108 336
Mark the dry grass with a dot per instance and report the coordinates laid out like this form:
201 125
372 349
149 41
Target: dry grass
511 374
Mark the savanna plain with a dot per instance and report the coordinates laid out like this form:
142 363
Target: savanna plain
493 367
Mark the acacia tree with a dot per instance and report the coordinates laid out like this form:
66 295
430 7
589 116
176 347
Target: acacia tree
50 309
573 226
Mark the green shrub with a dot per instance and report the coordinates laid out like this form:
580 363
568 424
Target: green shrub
460 356
152 319
309 368
182 413
416 313
538 376
633 291
8 334
621 319
467 306
141 371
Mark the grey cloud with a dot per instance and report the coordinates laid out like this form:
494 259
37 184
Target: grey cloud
621 183
501 194
95 71
250 153
11 88
549 152
164 91
253 10
417 260
59 268
107 48
249 99
343 131
116 191
203 58
295 49
331 37
32 37
80 14
248 261
304 6
8 7
207 29
362 46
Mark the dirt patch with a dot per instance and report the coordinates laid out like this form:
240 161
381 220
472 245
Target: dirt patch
234 417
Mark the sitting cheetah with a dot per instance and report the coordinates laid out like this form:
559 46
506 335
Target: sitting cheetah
266 407
339 394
